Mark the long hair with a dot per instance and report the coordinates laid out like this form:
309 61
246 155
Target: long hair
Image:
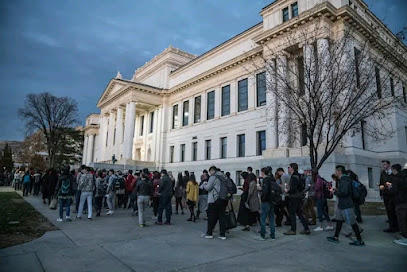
193 179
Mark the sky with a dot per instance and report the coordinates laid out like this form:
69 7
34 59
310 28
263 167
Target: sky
73 48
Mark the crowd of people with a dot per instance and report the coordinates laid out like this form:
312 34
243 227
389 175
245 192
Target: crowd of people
264 200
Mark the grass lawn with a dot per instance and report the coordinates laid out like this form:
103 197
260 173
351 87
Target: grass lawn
19 221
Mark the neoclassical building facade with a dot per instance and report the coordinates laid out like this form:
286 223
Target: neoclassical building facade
185 112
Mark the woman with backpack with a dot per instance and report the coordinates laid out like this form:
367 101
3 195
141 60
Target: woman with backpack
64 193
192 196
320 196
100 193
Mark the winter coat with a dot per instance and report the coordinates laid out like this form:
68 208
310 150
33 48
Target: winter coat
253 197
344 193
192 191
165 186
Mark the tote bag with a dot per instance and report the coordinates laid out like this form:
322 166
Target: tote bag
230 215
53 204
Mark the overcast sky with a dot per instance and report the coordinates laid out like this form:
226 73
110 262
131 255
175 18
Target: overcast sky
73 48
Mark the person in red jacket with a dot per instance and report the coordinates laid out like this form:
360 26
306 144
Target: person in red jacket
128 188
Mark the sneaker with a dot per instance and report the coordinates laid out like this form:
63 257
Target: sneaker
259 238
80 218
141 226
306 232
402 241
168 224
328 228
59 220
206 236
333 239
222 237
109 212
154 217
189 219
90 218
290 232
159 223
357 243
318 229
272 238
68 219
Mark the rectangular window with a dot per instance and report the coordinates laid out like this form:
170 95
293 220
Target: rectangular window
239 179
223 148
261 89
378 84
210 109
151 122
261 142
174 116
242 95
294 10
362 130
357 63
286 15
182 153
226 100
185 113
304 138
197 110
141 125
241 145
171 154
194 151
370 177
301 74
392 86
208 145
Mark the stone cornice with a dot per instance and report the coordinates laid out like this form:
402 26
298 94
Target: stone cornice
91 129
217 70
170 62
161 55
219 47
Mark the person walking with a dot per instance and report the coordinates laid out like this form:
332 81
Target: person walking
64 193
26 183
179 193
144 190
203 195
398 187
37 182
309 202
294 193
192 196
111 193
320 187
128 188
86 186
165 193
346 212
216 205
78 191
267 207
156 196
100 192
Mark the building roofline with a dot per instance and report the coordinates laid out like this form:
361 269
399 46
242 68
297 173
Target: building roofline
213 49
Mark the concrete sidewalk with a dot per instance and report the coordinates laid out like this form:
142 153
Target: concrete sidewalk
116 243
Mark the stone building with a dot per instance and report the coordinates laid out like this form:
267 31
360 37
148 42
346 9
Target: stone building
185 112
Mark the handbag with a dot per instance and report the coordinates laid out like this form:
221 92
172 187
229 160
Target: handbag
53 204
230 215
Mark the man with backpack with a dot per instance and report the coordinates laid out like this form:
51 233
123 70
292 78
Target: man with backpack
294 191
220 190
346 210
64 193
270 195
111 192
87 186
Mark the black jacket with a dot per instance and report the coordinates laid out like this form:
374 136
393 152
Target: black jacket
294 191
344 193
398 189
265 189
144 187
384 177
165 186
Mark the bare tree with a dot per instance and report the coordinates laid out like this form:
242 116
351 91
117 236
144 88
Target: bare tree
52 116
322 90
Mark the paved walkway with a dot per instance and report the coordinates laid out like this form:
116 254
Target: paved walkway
116 243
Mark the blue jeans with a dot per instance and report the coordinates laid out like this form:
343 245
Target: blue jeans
64 203
164 203
267 209
322 212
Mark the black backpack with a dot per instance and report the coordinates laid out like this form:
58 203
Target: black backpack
65 187
227 187
359 192
118 183
102 188
301 184
276 193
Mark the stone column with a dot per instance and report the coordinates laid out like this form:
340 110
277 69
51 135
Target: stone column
283 124
204 101
102 137
271 106
129 131
191 116
85 149
233 97
119 132
89 157
218 98
110 148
